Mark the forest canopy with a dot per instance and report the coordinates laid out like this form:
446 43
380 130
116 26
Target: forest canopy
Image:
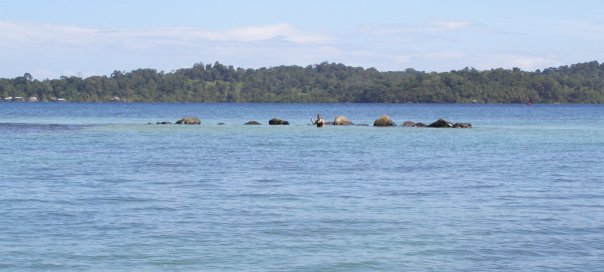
324 82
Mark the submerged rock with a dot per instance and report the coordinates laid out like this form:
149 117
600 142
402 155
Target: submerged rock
277 121
341 121
462 125
252 123
420 124
220 124
384 121
189 121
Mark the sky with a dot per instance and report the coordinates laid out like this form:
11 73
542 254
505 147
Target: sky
49 39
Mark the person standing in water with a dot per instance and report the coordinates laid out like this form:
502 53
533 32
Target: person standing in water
320 122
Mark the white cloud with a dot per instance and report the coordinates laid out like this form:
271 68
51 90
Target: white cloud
255 33
48 50
19 33
430 27
449 25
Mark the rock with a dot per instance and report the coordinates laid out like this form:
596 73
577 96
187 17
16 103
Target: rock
277 121
420 124
341 121
220 124
408 124
441 123
163 123
189 121
462 125
384 121
252 123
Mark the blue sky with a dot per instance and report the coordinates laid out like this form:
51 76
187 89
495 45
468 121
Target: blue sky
53 38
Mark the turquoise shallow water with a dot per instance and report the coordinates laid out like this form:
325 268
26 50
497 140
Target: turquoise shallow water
92 187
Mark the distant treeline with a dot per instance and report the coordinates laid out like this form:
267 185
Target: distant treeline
325 82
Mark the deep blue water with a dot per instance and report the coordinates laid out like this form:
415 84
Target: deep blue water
93 187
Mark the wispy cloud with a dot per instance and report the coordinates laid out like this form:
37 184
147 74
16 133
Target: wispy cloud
448 25
16 33
42 48
50 50
255 33
430 27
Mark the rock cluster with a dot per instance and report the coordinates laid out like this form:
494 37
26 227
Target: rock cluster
340 120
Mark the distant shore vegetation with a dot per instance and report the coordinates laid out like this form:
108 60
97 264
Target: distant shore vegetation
324 82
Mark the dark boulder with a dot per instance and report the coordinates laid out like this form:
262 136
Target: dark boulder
441 123
277 121
462 125
384 121
189 121
252 123
220 124
408 124
341 121
163 123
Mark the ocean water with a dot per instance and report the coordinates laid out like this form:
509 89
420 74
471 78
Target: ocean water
93 187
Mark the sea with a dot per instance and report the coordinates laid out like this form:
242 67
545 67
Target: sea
101 187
